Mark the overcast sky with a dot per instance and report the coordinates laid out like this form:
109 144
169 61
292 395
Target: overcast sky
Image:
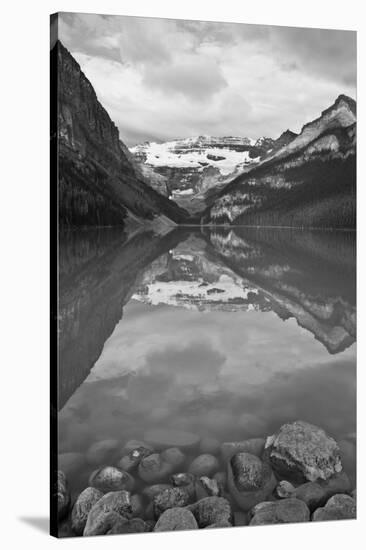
160 79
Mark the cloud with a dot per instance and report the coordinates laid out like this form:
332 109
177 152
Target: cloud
196 77
161 79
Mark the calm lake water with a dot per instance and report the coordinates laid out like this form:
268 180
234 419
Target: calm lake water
226 334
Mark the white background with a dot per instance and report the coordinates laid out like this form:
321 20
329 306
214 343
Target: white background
24 196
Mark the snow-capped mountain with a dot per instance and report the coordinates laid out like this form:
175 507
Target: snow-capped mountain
186 169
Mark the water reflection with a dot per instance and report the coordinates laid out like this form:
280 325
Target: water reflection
228 333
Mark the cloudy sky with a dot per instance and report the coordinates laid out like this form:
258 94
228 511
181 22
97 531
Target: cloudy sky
161 79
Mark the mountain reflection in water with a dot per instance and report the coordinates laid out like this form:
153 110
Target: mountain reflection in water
225 333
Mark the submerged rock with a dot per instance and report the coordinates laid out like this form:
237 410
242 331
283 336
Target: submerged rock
173 456
176 519
211 510
250 480
204 465
254 446
102 451
176 497
153 469
61 491
288 510
133 444
312 493
165 438
111 478
303 452
337 507
116 503
130 461
82 507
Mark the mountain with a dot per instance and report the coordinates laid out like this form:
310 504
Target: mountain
185 169
308 181
98 182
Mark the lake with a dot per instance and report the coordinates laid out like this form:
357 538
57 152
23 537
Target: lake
227 333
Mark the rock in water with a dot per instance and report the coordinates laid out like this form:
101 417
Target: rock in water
173 456
287 510
110 478
250 480
99 522
62 493
206 487
337 507
130 461
303 452
102 451
211 510
163 439
253 446
153 469
176 497
82 507
176 519
204 465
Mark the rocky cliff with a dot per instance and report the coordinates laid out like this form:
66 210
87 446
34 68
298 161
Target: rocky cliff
311 180
98 183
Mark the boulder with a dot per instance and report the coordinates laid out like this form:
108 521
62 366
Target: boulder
61 492
337 507
165 438
102 452
287 510
176 519
204 465
209 445
302 452
339 483
130 461
82 507
284 489
117 502
253 446
176 497
250 480
211 510
70 463
111 478
153 469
